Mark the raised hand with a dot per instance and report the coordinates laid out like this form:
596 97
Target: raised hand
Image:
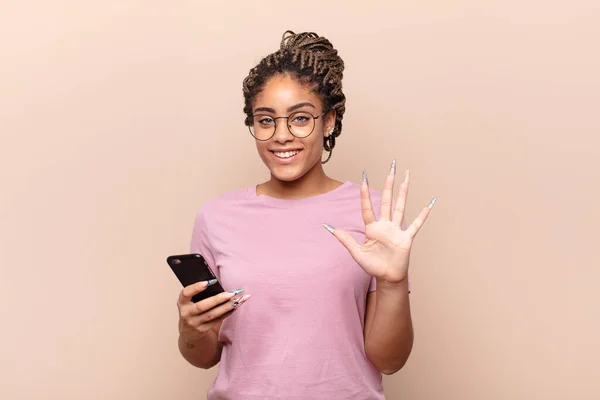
385 254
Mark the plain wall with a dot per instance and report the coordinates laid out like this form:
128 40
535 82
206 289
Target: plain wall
119 118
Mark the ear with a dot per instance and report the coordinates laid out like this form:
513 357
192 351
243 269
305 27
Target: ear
329 122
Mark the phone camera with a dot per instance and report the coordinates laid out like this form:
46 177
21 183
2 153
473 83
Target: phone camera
176 261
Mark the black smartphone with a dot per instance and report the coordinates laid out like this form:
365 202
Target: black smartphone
192 268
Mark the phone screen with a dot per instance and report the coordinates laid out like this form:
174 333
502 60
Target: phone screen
192 268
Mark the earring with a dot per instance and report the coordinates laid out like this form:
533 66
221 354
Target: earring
330 132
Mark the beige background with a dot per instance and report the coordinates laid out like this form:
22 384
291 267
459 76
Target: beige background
119 118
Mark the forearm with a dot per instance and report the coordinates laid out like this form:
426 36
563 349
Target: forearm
202 353
389 341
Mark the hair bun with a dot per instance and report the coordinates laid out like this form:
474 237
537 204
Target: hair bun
306 41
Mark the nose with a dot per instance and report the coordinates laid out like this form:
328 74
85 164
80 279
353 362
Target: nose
282 133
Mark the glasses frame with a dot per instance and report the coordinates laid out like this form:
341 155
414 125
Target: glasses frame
287 124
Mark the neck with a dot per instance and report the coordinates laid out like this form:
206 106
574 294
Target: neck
313 183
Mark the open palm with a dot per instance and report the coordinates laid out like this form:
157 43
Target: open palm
385 254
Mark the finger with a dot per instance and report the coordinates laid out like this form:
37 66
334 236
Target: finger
346 239
365 201
190 291
401 201
420 220
225 308
191 309
196 321
386 196
212 302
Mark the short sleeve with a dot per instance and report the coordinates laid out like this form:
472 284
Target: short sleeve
201 244
372 285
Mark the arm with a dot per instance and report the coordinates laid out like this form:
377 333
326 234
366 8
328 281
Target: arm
385 255
388 327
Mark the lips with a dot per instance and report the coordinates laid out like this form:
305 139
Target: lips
285 156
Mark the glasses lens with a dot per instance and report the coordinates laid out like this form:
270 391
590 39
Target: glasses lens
262 127
301 124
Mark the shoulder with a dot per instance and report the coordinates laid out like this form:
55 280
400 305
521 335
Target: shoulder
352 189
351 197
220 203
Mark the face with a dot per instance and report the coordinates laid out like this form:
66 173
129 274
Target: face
287 156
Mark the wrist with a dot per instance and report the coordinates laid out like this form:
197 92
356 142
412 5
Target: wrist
396 286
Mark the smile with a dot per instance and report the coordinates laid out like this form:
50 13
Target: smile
286 154
285 157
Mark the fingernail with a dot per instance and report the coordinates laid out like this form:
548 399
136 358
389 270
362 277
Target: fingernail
211 282
329 228
407 176
364 177
240 300
237 291
393 168
432 202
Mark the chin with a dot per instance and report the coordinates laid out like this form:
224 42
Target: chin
286 174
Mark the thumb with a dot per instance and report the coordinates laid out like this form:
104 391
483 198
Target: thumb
344 238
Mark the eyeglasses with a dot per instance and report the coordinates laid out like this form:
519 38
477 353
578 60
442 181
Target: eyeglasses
300 124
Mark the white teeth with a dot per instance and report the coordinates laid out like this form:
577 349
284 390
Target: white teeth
285 154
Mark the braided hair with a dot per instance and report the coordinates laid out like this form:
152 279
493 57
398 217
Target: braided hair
313 61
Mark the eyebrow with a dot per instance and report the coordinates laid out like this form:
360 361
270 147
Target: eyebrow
290 109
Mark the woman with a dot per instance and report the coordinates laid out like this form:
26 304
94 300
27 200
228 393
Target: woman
325 320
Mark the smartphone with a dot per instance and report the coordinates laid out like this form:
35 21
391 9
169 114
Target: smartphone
192 268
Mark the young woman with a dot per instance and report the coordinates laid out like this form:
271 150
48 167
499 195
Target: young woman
328 314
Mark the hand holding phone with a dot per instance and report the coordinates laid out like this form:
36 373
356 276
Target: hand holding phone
197 319
202 303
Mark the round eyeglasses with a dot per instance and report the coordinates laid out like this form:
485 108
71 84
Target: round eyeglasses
300 124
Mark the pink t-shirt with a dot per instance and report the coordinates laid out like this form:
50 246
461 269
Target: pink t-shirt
300 336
